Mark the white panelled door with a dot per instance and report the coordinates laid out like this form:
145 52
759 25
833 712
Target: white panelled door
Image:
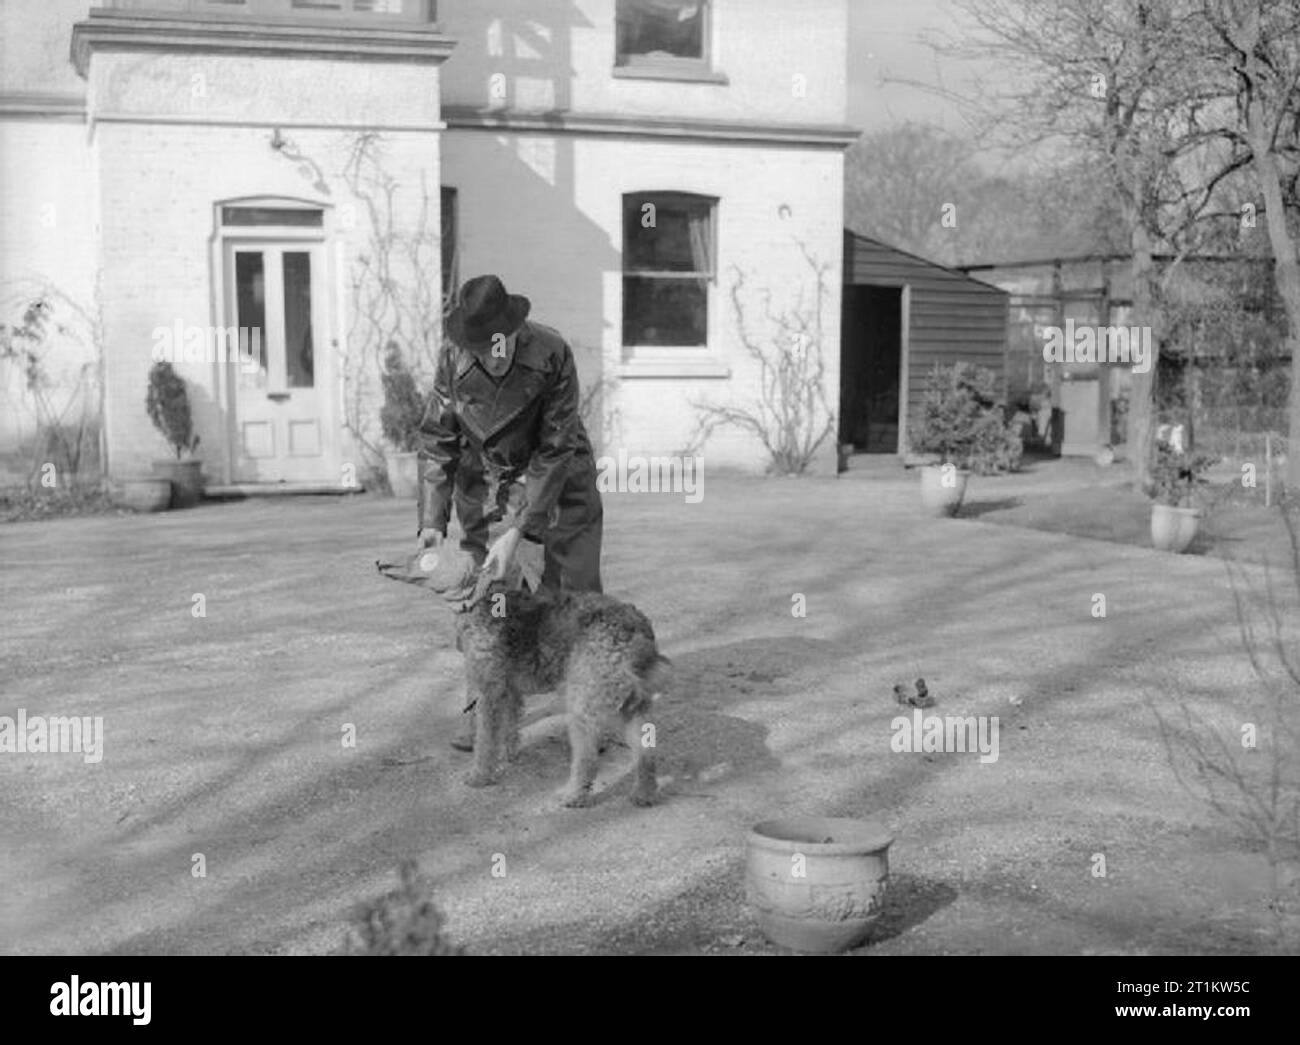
283 428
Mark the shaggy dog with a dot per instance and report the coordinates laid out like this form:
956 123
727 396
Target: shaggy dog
598 652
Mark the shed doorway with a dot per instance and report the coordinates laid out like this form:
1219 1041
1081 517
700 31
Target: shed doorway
871 343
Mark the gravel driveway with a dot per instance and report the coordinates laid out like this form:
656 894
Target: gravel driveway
223 733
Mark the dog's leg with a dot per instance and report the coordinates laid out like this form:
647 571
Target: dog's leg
493 696
514 712
646 789
584 740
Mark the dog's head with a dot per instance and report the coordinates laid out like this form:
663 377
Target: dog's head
451 572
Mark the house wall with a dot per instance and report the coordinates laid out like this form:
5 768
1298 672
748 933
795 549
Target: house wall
543 208
169 134
559 55
545 213
47 213
174 134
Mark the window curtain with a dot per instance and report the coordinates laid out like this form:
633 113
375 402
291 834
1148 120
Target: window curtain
670 10
699 223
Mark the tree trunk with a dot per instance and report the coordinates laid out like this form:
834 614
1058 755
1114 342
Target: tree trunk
1286 267
1245 34
1142 392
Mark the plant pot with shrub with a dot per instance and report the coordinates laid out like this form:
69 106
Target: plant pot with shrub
168 404
143 493
1176 478
963 426
399 419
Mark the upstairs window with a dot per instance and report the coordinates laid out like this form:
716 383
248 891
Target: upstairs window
423 11
662 34
669 263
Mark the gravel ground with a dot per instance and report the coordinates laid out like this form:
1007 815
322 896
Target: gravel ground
223 733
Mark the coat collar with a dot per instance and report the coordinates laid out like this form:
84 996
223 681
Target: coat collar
529 351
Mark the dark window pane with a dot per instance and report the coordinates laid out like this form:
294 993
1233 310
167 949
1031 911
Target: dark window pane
660 28
250 301
679 239
450 276
665 311
299 357
271 216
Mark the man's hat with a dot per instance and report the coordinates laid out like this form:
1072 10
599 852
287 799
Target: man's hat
483 310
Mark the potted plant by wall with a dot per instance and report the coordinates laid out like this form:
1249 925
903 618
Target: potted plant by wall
1175 480
957 415
399 419
168 404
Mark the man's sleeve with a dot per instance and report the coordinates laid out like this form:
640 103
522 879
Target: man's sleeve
558 440
439 449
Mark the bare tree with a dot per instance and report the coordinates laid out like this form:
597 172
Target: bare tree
791 415
1244 760
68 416
396 293
1109 82
1256 44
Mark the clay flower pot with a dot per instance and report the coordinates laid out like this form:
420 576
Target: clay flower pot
145 494
1173 529
403 474
941 500
186 479
817 883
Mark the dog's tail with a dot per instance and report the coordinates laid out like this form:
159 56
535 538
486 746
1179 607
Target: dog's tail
648 687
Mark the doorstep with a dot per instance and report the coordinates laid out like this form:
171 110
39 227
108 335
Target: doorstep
236 491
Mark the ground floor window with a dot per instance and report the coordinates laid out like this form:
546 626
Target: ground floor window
669 268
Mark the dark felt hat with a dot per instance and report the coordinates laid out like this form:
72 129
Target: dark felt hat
483 310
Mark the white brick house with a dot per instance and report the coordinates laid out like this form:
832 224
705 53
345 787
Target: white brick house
197 165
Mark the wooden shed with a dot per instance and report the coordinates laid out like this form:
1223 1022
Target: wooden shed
901 315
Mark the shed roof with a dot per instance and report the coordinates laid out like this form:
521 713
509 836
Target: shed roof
868 262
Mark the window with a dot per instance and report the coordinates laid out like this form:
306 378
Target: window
291 216
668 268
421 11
450 255
662 35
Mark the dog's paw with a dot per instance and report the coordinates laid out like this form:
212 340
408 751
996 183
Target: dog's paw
645 798
570 799
481 778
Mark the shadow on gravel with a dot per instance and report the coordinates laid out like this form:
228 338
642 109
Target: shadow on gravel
909 901
974 509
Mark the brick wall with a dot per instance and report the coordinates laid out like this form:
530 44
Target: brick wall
545 213
560 56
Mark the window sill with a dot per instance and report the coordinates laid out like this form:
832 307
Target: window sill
685 71
681 368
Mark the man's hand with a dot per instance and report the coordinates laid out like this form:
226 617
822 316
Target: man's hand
502 554
429 539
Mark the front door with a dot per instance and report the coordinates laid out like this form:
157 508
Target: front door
282 430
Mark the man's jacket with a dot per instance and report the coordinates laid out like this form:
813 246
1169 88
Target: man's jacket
524 425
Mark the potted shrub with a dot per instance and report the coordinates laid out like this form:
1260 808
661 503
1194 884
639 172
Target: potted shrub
960 420
168 404
1175 479
399 419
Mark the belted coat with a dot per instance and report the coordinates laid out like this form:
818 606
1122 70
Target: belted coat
514 444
